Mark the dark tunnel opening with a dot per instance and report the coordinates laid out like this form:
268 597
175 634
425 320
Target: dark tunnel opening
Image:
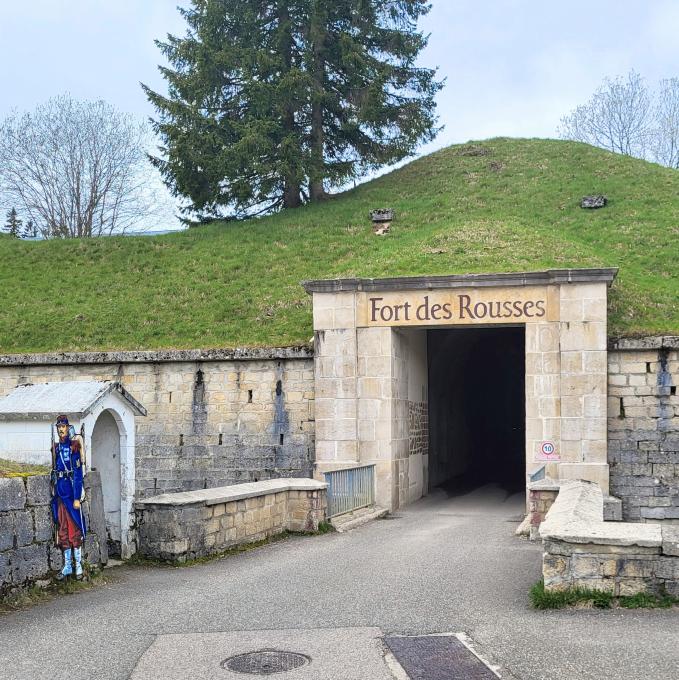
477 408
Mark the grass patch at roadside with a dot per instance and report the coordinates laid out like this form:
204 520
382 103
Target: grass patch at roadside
588 598
558 599
35 594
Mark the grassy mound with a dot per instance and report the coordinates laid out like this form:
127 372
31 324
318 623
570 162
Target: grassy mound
499 205
10 468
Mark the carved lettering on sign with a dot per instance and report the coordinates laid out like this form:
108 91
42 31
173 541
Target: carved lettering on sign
452 307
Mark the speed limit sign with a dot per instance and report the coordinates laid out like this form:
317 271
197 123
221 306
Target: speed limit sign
547 451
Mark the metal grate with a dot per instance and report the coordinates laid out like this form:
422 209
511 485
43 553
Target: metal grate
350 489
265 662
438 657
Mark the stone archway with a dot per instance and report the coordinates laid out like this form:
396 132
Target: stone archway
371 372
109 440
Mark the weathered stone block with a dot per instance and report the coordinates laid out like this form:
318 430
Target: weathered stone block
667 568
670 540
555 567
12 494
42 521
5 571
6 531
92 549
584 566
630 568
634 586
173 548
601 585
38 490
609 567
29 562
23 527
55 558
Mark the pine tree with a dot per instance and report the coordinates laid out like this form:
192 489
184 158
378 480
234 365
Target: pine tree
228 122
271 102
13 224
29 230
371 105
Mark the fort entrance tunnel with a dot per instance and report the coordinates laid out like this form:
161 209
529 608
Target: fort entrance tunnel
476 405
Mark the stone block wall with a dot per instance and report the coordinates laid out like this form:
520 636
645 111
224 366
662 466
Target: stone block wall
181 526
214 417
418 418
27 547
618 570
540 501
643 428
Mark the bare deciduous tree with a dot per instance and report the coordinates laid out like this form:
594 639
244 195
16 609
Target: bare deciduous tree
618 117
665 147
76 169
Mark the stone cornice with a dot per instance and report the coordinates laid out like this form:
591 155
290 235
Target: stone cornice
643 343
541 278
157 356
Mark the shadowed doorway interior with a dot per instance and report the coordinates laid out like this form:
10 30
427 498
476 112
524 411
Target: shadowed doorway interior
477 407
106 459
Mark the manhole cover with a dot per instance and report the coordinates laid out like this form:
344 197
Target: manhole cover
265 662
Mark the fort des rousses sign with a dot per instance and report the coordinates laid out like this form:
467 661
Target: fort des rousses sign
459 306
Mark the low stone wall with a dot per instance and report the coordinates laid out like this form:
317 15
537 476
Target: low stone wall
643 427
27 548
180 526
581 550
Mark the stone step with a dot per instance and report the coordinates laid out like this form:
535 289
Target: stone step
351 520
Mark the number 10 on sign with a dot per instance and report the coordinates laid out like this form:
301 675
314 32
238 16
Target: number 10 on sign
547 451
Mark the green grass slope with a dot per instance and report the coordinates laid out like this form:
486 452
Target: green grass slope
237 284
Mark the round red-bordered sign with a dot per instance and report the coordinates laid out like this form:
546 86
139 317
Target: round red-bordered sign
548 449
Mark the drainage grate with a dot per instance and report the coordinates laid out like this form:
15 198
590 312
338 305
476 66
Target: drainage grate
438 657
265 662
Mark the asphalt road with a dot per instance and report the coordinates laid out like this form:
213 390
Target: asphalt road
445 564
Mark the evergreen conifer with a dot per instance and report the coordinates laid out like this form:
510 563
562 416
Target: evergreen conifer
13 224
273 102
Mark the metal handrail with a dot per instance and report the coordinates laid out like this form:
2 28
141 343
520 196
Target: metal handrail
350 489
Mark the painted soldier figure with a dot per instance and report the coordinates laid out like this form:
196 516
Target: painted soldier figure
67 482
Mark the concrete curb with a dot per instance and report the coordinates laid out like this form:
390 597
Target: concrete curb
356 519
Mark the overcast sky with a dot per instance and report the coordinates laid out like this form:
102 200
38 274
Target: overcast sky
513 67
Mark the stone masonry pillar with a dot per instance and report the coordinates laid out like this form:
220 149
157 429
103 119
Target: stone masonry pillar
335 368
584 383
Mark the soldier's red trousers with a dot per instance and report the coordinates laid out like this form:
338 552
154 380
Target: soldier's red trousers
68 532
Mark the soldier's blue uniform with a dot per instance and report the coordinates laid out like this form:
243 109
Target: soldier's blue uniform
68 481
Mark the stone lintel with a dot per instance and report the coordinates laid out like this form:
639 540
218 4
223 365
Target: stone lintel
236 492
541 278
157 356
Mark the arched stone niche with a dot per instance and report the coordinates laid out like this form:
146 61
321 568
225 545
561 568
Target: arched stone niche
104 409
